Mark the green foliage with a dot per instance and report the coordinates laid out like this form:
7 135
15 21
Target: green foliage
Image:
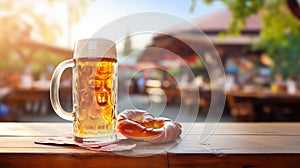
127 46
240 10
192 7
280 33
280 37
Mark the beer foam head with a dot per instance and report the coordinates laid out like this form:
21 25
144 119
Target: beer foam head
95 48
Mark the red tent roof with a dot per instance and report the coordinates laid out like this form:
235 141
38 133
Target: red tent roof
216 22
220 20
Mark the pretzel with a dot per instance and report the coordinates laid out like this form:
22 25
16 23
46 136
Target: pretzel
141 125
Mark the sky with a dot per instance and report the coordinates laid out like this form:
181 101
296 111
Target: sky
103 12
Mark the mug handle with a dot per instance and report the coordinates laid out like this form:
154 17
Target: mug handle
54 89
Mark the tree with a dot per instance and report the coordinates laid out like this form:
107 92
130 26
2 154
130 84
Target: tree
127 46
280 32
31 20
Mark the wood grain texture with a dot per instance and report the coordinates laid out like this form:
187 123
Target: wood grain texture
83 159
239 144
231 145
234 160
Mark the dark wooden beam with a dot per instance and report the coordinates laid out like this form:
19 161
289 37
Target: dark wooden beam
33 45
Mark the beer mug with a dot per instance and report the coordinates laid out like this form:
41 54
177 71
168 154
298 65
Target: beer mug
94 90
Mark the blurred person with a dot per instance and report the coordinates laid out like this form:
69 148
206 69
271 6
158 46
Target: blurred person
291 86
247 71
278 84
141 84
184 80
231 67
230 82
27 78
263 76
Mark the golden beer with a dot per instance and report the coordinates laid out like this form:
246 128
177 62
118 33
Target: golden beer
94 98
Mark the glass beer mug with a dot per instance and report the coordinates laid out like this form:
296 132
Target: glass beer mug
94 90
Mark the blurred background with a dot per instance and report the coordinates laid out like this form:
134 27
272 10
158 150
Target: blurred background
257 42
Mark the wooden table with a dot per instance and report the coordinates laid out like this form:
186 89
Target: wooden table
33 100
279 106
231 145
260 95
